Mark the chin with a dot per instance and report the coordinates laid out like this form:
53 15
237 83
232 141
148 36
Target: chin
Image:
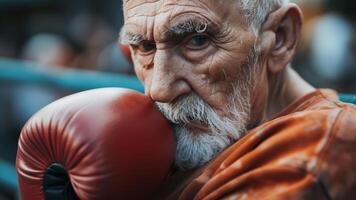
202 133
196 147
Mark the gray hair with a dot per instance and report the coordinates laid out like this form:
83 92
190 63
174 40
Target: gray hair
256 11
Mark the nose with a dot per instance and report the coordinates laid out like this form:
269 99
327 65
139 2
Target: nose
167 81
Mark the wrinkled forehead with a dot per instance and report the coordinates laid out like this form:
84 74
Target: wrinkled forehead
158 14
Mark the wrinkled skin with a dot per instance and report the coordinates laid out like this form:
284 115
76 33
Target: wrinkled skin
171 67
174 68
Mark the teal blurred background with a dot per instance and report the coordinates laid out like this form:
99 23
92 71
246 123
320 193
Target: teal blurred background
53 48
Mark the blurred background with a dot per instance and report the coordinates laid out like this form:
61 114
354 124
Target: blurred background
53 48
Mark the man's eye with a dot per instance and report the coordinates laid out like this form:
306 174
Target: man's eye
146 47
198 42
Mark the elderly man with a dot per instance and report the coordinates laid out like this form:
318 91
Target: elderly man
247 126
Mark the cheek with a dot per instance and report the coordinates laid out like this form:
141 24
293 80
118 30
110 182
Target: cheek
259 97
139 73
232 57
140 63
222 71
145 77
225 67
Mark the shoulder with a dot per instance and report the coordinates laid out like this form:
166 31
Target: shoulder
337 163
346 122
296 155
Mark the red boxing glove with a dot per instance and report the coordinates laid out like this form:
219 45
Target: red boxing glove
100 144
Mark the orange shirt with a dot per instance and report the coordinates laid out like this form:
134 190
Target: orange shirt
307 152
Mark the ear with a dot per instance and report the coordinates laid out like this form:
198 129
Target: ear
280 35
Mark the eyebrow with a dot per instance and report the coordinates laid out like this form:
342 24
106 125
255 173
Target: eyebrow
130 38
187 27
173 32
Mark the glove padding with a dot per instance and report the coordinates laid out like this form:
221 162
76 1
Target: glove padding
100 144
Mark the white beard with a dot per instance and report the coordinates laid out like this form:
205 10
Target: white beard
196 149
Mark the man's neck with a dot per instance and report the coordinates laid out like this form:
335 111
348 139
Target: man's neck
286 88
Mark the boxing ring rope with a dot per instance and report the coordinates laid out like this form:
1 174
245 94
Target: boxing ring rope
69 79
348 98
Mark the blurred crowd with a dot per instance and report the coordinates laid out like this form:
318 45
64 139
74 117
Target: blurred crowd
82 35
326 56
54 35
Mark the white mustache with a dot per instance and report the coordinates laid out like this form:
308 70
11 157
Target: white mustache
192 109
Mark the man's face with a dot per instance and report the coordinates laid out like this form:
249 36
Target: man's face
196 60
